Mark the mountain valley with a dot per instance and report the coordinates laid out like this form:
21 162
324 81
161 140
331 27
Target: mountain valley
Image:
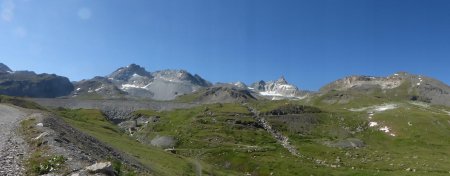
172 122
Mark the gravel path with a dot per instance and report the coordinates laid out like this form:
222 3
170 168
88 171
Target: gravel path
12 147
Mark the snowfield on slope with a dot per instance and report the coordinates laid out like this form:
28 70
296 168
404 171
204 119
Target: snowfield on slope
376 108
372 110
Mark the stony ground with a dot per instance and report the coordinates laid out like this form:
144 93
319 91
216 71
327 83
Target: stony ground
101 104
59 139
12 146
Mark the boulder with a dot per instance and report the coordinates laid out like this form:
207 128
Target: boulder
164 142
101 168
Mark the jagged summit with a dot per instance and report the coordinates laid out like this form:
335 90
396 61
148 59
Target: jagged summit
240 85
278 89
281 80
180 76
125 73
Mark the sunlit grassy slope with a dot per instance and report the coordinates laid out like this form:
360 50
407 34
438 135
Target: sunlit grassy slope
224 139
160 162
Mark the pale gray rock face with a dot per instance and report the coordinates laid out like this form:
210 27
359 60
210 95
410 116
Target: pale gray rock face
135 81
279 89
353 82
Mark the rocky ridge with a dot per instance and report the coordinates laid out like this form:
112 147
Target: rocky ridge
417 87
135 81
30 84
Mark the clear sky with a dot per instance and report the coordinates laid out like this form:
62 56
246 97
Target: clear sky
310 42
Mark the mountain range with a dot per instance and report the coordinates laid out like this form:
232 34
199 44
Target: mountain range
30 84
125 122
134 81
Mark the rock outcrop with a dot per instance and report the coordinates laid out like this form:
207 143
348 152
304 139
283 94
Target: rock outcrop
30 84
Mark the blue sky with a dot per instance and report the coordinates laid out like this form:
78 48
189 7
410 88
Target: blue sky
310 42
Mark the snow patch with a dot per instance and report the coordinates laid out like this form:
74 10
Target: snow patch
271 93
278 96
148 85
421 104
78 89
358 109
385 129
448 112
392 134
377 108
129 86
286 86
372 124
420 81
100 88
385 107
136 75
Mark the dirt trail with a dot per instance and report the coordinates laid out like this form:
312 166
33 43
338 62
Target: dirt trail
12 146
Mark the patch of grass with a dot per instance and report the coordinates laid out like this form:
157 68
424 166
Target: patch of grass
214 134
41 164
28 130
40 161
224 139
159 161
122 170
20 102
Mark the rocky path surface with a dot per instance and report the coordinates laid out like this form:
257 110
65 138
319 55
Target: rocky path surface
283 140
12 146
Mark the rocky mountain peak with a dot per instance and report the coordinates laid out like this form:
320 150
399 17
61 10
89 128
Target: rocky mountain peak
240 85
125 73
281 80
278 89
134 81
180 76
4 68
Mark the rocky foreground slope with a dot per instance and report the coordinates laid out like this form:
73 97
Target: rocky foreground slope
12 146
37 142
